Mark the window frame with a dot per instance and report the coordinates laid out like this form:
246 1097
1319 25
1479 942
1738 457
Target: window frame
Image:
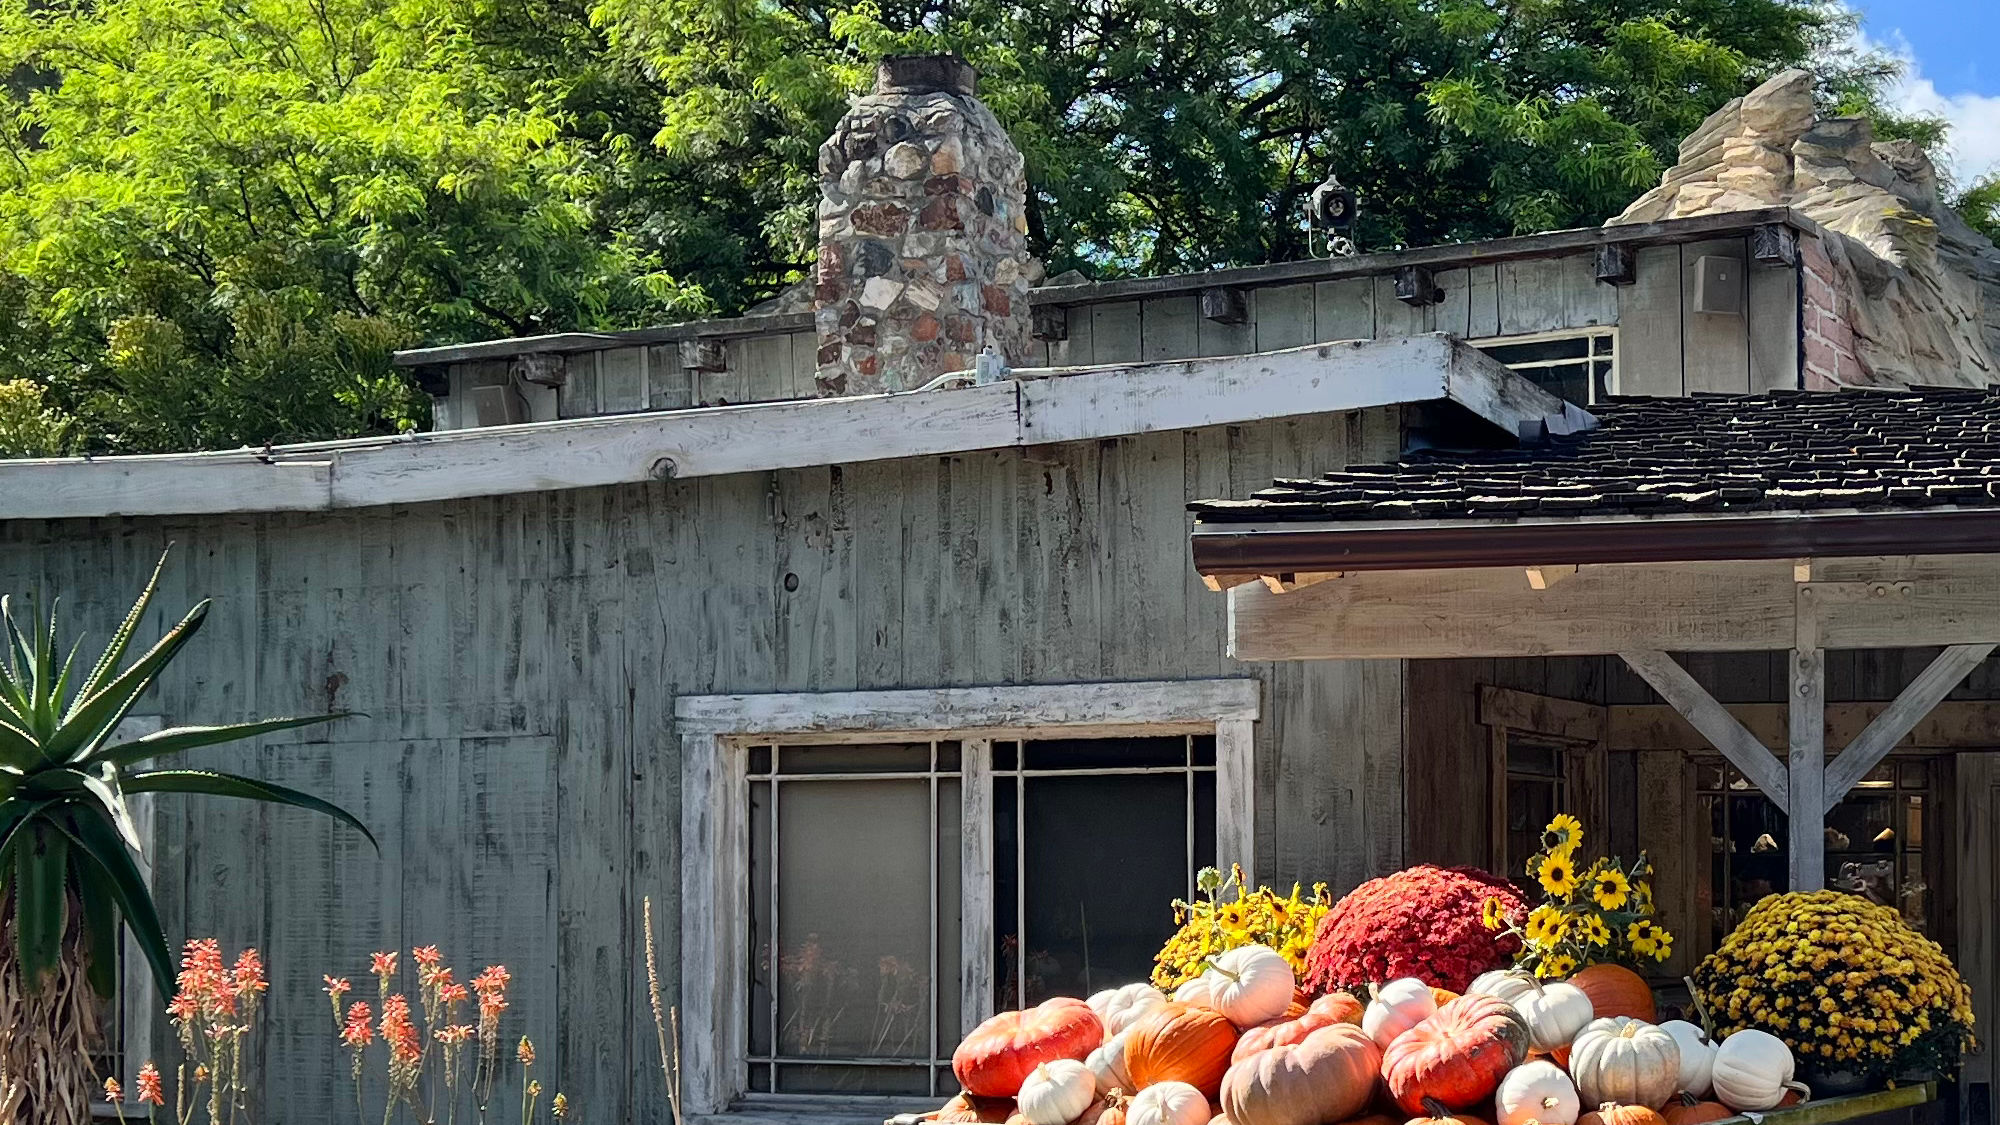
1590 333
716 732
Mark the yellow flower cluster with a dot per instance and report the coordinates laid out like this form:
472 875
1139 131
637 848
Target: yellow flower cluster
1262 916
1844 981
1603 912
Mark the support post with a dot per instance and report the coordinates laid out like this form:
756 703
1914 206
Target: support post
1806 772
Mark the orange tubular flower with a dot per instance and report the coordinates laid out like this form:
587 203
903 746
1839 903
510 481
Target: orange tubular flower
248 977
405 1044
357 1034
525 1052
150 1092
113 1092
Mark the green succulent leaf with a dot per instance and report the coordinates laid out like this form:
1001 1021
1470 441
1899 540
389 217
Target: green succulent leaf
124 884
174 740
98 784
114 652
214 784
100 922
93 717
41 867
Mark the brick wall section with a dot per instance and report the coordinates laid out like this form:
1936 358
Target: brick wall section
1826 323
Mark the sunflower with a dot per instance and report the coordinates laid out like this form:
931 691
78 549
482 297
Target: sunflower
1560 965
1590 929
1557 874
1645 937
1611 889
1493 914
1563 833
1545 925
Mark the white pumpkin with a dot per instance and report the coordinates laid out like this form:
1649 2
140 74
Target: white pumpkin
1555 1014
1056 1092
1168 1103
1626 1061
1697 1056
1508 984
1397 1007
1120 1008
1249 984
1752 1070
1107 1064
1536 1091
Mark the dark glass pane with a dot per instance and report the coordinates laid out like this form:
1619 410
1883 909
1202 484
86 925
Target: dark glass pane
1574 347
1084 931
1006 892
1569 382
950 900
1708 776
1006 755
854 914
947 757
1862 824
760 1078
760 918
760 760
1916 775
1531 803
1203 748
1104 753
1204 830
1884 774
878 1080
880 757
1526 757
1759 863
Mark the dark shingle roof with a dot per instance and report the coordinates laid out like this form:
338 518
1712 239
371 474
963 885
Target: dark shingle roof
1786 451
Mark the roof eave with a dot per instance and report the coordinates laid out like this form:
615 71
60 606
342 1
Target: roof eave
1225 548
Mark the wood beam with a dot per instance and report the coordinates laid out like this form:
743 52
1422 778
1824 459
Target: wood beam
1955 724
1805 765
1286 583
1543 577
1713 720
1900 717
1722 606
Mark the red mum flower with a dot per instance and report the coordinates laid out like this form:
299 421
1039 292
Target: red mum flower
1423 922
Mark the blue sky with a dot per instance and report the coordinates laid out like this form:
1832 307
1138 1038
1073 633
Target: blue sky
1950 48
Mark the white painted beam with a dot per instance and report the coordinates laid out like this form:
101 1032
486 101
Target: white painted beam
1035 407
1900 717
1713 720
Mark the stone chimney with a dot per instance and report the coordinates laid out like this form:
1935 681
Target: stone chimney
923 247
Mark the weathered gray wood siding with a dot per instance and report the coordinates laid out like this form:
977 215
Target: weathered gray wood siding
516 660
1665 347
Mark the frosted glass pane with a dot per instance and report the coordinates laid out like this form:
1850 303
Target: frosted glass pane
854 919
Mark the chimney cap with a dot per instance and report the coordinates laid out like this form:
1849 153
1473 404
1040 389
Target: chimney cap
925 74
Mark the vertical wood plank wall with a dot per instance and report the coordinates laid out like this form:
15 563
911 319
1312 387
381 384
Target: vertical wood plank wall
1664 346
517 658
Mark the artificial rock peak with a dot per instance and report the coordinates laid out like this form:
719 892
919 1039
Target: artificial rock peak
1903 291
923 233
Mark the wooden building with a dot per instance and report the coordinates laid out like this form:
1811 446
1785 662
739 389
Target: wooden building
902 706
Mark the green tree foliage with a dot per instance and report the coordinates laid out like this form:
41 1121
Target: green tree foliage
29 426
219 217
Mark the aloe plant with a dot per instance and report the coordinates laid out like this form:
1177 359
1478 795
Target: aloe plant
67 839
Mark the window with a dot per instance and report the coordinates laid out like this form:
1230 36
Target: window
866 875
1142 807
1536 792
1581 367
1875 845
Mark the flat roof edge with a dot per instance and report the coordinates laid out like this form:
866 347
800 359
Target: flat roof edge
1444 256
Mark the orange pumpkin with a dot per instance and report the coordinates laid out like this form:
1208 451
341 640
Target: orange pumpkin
1180 1043
1372 1119
1443 996
1331 1073
1103 1111
999 1053
1686 1109
1615 990
1293 1011
963 1108
1611 1113
1435 1113
1457 1056
1333 1008
1792 1097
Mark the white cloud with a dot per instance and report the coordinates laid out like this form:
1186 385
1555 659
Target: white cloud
1974 141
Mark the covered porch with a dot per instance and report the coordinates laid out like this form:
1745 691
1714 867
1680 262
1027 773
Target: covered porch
1750 636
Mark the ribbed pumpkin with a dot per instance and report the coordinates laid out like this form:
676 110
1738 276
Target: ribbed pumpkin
1615 990
1333 1008
1437 1113
1625 1061
999 1053
1372 1119
1104 1111
1457 1056
1180 1043
1329 1075
1686 1109
1615 1113
1443 996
